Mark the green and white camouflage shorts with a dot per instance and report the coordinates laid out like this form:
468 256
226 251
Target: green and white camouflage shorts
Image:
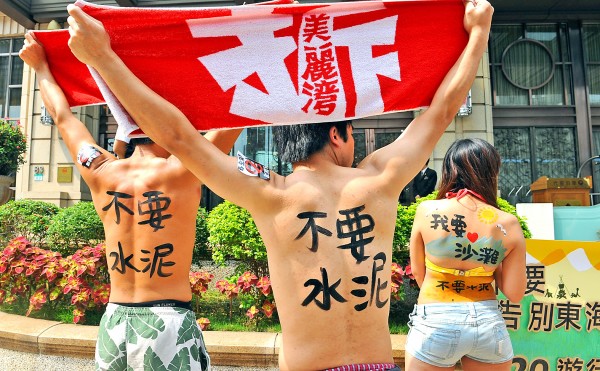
150 338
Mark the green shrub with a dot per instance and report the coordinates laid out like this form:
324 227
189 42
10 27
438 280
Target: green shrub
404 222
13 145
27 218
201 247
406 218
233 235
507 207
74 227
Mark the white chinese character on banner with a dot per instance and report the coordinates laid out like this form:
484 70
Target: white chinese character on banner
260 53
261 59
365 67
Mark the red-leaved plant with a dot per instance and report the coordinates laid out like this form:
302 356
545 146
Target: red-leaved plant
44 277
255 295
400 278
199 284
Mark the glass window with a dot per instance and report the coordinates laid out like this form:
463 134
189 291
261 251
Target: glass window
555 152
11 77
591 48
503 36
506 93
17 44
3 82
596 139
16 74
593 73
368 140
531 152
591 42
530 65
257 144
360 145
547 35
4 45
515 171
14 104
527 64
383 137
551 94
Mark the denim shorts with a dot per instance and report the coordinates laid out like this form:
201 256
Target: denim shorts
442 333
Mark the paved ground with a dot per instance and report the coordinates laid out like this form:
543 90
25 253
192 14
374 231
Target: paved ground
16 361
13 361
220 272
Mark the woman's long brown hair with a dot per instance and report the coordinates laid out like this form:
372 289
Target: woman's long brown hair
473 164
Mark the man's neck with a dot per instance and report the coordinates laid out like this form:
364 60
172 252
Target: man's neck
317 161
154 150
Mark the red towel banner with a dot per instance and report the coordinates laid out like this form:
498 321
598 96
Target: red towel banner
283 64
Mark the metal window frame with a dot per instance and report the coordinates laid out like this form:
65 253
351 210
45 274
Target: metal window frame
514 83
556 63
578 114
11 55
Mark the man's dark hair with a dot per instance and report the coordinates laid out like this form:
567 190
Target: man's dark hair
134 142
140 141
298 142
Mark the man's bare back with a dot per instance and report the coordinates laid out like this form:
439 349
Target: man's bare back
148 206
147 203
329 249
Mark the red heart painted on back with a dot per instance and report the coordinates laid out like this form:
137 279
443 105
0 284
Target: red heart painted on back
472 237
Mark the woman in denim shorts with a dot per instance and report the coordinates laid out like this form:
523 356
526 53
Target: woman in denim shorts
460 244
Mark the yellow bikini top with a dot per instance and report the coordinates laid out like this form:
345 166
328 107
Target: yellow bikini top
475 272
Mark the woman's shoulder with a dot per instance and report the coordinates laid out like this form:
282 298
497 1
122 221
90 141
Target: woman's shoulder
509 224
507 217
431 204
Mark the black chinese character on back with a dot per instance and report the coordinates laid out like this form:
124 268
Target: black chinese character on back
440 221
314 228
354 229
323 287
118 205
465 252
488 255
121 262
459 225
375 288
160 252
155 206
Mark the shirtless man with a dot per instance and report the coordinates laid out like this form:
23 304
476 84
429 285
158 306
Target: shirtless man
327 227
148 205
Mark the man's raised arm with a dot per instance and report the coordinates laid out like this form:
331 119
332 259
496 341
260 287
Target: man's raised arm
412 149
74 133
159 119
223 139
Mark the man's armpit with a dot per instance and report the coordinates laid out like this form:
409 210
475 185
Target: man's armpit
87 154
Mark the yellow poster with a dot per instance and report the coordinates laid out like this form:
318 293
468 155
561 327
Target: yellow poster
557 324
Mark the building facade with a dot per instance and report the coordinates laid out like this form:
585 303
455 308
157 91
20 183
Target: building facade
545 80
536 97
